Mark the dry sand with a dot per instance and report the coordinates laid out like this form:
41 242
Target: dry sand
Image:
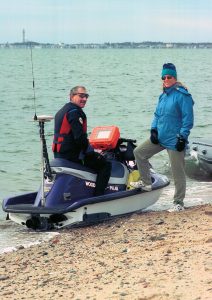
154 255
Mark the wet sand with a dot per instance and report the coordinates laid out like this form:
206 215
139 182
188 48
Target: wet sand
146 256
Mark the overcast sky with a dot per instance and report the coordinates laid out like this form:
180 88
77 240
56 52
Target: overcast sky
99 21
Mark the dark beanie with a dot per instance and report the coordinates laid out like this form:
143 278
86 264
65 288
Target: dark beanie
169 69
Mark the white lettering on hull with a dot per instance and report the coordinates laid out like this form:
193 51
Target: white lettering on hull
110 187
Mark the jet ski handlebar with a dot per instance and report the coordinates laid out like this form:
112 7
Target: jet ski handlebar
122 140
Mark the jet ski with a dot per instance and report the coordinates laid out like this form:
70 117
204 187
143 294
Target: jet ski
65 197
201 152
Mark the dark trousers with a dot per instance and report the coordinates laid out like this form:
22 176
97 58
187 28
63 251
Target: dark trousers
102 167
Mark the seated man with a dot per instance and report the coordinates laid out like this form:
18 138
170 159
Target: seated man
71 141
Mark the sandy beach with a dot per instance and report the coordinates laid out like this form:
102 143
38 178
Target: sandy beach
146 256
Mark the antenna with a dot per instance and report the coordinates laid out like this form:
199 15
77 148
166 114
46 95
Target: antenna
33 82
45 165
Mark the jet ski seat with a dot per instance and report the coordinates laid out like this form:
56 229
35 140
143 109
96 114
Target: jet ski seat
118 169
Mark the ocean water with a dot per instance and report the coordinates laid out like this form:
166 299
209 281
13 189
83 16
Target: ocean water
124 85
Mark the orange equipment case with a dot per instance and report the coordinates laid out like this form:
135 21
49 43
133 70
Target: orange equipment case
104 137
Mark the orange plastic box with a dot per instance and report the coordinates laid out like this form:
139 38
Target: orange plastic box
104 137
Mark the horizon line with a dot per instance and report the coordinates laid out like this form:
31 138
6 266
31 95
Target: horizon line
102 43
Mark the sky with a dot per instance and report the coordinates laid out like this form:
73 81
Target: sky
100 21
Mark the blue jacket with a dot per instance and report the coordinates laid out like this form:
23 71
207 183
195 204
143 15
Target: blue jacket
173 116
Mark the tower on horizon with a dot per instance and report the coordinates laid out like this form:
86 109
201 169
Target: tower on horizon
23 35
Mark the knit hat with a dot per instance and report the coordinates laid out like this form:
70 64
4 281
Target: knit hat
169 69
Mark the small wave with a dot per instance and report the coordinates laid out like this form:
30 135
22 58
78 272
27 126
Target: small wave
203 125
14 237
199 193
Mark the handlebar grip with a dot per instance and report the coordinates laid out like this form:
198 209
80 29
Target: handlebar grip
121 140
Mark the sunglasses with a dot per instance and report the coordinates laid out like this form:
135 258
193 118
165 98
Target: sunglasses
167 77
82 95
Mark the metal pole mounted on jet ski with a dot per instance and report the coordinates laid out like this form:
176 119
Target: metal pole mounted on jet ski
45 165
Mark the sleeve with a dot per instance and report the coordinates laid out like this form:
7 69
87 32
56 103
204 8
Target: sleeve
154 124
187 115
75 119
154 121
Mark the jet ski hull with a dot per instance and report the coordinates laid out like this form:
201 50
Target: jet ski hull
66 198
22 209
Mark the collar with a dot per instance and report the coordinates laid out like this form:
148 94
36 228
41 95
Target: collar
170 89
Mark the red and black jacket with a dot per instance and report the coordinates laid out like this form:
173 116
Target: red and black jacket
70 132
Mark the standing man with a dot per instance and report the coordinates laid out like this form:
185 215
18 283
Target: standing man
71 142
173 120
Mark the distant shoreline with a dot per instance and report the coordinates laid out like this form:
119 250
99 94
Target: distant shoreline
124 45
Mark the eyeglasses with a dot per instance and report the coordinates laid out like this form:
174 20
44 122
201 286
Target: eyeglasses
81 95
167 77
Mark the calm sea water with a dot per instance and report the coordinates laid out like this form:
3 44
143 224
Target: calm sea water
124 86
